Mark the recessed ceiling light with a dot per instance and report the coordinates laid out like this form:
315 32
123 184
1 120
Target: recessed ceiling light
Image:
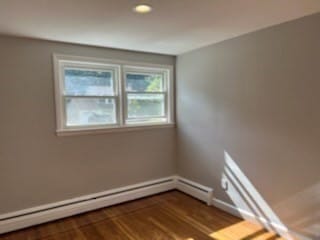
142 8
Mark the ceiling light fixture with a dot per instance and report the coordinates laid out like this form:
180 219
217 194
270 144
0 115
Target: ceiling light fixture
142 8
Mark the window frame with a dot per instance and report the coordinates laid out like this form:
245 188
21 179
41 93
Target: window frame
145 71
61 62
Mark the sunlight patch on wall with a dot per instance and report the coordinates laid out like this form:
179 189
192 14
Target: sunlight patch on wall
247 199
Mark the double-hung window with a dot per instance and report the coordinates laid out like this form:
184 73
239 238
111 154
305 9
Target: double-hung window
99 95
146 98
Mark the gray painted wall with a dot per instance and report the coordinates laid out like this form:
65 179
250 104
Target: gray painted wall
36 166
256 98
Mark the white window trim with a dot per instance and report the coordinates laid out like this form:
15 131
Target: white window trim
62 130
165 73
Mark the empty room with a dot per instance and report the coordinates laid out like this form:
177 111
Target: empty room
160 120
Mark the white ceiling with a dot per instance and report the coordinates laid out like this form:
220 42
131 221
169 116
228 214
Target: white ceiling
173 27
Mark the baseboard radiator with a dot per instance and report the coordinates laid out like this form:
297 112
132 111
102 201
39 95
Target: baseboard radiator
45 213
49 212
195 189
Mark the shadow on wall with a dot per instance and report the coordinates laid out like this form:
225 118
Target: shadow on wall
247 199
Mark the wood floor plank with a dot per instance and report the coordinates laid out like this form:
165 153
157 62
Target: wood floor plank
167 216
159 225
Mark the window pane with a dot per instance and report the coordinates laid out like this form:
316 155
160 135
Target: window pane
145 105
137 82
90 111
88 82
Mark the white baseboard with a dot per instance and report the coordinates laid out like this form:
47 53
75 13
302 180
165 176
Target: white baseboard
233 210
226 207
49 212
244 214
194 189
45 213
205 194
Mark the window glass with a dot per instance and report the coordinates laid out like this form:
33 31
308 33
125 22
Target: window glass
82 82
90 111
145 105
136 82
93 94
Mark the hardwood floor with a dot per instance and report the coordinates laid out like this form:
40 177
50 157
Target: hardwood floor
168 216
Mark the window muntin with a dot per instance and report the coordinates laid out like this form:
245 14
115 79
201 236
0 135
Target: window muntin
89 95
146 95
95 94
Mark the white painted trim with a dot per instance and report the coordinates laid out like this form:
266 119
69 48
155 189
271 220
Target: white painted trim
81 59
195 184
45 213
49 212
241 213
167 89
59 65
118 66
226 207
194 189
205 194
127 128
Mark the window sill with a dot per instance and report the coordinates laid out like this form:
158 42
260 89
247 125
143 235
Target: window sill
91 131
